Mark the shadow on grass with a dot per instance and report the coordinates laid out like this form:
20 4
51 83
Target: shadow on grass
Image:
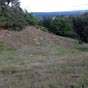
84 49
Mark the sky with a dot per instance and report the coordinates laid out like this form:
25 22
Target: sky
54 5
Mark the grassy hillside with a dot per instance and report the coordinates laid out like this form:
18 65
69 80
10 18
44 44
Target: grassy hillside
35 59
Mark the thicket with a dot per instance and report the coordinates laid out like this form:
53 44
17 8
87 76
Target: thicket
13 17
68 26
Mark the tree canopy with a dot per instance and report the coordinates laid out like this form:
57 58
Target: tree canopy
12 16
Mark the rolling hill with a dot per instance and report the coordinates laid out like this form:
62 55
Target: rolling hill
32 58
52 14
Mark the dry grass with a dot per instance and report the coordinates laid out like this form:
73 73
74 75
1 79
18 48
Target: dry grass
35 59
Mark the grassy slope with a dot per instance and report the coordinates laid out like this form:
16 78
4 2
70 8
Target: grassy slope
35 59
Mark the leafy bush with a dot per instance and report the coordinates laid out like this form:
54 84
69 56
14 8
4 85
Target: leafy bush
59 26
42 28
13 17
80 24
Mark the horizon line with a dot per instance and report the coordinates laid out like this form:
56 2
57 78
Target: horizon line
58 11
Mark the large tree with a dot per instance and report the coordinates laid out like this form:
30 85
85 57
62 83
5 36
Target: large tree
12 16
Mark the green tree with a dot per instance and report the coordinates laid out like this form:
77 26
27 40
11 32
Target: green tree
32 20
62 26
12 16
80 24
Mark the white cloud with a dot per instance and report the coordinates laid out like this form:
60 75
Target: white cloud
54 5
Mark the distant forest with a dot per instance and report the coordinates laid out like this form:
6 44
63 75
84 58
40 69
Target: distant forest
64 13
13 17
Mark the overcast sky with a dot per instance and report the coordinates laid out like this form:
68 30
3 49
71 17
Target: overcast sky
53 5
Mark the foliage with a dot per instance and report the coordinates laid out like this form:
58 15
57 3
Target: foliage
42 28
12 15
32 20
59 26
62 26
71 26
80 24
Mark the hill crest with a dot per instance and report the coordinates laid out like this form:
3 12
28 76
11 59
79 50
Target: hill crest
33 37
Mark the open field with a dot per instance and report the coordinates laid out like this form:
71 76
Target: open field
35 59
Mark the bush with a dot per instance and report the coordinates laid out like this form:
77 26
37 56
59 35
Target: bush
59 26
13 17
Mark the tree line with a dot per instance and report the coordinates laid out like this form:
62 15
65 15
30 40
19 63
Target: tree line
13 17
69 26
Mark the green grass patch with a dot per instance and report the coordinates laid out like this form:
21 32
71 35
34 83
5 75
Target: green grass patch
82 48
8 70
4 47
39 54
